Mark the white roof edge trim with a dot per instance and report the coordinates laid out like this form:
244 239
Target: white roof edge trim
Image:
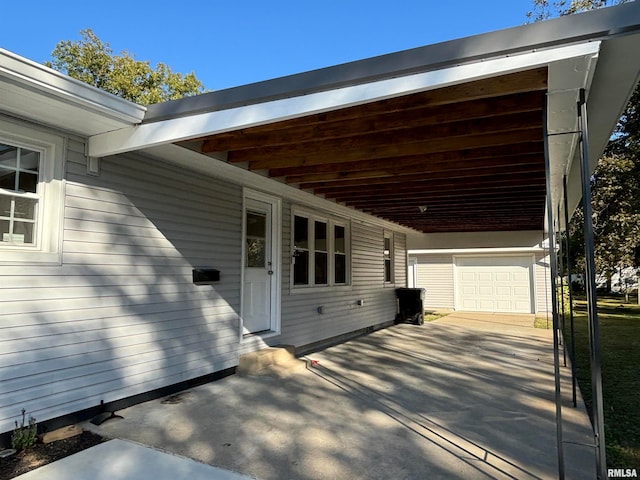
477 251
51 83
185 128
183 157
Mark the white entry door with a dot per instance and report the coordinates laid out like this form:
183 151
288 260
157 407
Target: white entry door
260 265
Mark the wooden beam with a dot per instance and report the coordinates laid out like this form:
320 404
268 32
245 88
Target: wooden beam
439 158
392 205
439 189
478 177
365 120
420 147
437 170
329 148
458 218
513 83
433 209
444 191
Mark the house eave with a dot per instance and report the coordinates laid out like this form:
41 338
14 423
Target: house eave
172 130
35 91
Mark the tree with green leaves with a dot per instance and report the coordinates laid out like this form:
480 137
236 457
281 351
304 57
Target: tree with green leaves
544 9
92 61
615 184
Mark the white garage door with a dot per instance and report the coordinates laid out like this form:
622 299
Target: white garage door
494 284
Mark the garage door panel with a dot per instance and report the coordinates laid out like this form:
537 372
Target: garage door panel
487 305
503 291
468 276
521 276
485 291
470 304
503 305
495 284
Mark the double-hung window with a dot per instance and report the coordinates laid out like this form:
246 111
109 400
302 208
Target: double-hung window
320 251
31 194
19 195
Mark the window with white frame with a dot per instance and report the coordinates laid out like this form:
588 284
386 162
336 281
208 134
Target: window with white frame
31 194
320 251
387 255
19 194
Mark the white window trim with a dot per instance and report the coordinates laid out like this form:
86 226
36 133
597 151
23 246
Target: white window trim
331 222
49 224
392 258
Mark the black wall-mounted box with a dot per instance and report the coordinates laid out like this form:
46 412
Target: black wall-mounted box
205 276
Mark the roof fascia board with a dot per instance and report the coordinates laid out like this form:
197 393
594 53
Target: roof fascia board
476 251
45 81
593 25
177 155
186 128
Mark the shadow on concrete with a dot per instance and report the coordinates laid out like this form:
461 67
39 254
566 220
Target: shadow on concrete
444 400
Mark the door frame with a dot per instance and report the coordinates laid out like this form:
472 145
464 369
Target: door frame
276 259
412 271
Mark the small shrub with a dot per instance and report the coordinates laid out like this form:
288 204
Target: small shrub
24 435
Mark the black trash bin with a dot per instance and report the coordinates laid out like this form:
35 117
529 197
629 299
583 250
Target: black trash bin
410 305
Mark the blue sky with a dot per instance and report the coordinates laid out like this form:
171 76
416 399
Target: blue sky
230 43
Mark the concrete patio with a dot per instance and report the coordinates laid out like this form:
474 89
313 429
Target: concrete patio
466 396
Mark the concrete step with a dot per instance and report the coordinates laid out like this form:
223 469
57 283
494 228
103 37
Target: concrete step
273 361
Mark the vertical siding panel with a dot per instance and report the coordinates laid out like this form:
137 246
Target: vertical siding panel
121 315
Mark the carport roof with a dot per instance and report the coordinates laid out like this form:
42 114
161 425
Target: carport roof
447 137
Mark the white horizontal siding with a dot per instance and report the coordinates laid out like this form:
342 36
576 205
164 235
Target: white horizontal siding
435 274
121 315
400 260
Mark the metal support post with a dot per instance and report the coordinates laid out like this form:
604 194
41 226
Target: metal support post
590 283
572 354
562 306
554 300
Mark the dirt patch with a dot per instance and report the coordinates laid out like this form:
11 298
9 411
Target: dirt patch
41 454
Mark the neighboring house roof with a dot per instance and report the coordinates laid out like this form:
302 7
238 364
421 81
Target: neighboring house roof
455 127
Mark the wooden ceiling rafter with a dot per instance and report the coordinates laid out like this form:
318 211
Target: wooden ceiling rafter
439 191
471 166
436 138
412 161
395 120
491 177
471 153
524 82
396 204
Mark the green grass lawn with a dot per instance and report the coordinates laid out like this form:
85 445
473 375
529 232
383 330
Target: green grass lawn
620 350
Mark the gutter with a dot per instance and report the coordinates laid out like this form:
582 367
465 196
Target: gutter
50 83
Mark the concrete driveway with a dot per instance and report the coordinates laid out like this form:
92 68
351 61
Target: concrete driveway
467 396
